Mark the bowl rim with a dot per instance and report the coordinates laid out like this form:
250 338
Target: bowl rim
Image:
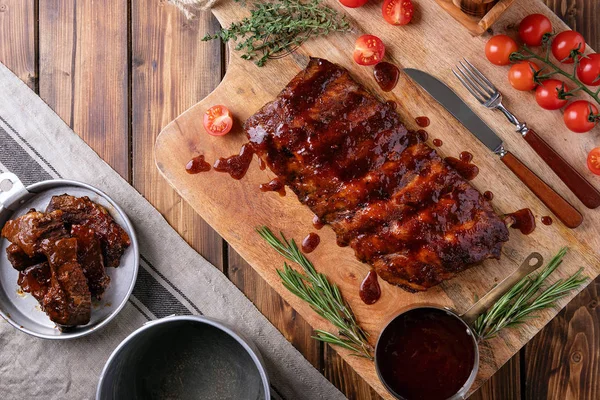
37 188
460 393
254 354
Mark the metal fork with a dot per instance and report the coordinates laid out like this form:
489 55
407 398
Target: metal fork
490 97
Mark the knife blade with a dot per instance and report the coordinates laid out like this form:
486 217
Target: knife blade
454 104
457 107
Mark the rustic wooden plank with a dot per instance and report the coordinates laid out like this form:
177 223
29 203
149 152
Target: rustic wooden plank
171 70
83 72
504 384
17 38
345 378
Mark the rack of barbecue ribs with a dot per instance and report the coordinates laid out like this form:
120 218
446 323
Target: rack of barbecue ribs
385 192
61 255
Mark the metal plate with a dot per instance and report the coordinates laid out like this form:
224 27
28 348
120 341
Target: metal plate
21 309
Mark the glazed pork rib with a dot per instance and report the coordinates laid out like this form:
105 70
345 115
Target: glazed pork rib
386 193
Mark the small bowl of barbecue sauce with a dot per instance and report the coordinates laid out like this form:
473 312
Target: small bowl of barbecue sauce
427 353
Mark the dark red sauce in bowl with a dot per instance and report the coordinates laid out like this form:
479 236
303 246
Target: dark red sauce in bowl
427 353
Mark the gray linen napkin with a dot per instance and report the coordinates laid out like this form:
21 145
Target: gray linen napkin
36 145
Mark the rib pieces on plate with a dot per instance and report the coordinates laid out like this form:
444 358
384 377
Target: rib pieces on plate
384 191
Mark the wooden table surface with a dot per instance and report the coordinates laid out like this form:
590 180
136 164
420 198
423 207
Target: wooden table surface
118 71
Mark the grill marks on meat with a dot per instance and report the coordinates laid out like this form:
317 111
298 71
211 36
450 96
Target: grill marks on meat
83 211
385 192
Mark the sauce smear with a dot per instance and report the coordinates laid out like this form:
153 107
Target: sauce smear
261 164
464 168
370 291
236 165
276 185
317 223
310 243
437 142
425 353
466 157
423 122
386 75
197 165
489 196
547 220
423 134
522 220
392 104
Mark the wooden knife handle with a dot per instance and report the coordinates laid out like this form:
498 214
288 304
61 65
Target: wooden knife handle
559 206
584 190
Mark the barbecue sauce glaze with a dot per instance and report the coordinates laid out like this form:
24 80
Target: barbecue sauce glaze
370 291
310 243
463 165
236 165
423 122
197 165
523 220
425 353
317 222
386 75
547 220
276 185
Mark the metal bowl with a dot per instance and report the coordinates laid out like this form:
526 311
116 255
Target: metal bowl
184 357
22 310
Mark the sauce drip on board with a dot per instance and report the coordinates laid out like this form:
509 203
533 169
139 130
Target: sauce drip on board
392 104
261 164
463 165
197 165
489 196
423 134
310 243
317 222
437 142
236 165
386 75
423 121
522 220
425 353
370 291
276 185
547 220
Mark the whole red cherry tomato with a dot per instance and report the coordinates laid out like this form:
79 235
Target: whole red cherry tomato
533 28
397 12
547 94
353 3
521 75
593 161
368 50
217 120
565 43
499 48
588 70
581 116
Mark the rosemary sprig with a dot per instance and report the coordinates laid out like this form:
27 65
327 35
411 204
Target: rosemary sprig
277 27
515 307
322 296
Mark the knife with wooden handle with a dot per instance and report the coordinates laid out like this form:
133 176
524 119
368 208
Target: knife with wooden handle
563 210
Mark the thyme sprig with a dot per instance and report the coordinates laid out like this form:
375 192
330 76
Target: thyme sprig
322 296
515 307
277 27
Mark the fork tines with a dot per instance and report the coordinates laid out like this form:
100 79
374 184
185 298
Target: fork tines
475 82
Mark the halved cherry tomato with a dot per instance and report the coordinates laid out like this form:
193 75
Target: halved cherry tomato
533 28
547 94
581 116
593 161
397 12
521 75
217 120
369 50
588 70
499 48
353 3
565 43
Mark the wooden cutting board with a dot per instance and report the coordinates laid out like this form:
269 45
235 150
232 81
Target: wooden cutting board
433 42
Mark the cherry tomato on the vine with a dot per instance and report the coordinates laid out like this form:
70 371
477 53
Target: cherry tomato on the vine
397 12
593 161
521 75
499 48
353 3
566 42
588 70
547 94
368 50
217 120
533 28
581 116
